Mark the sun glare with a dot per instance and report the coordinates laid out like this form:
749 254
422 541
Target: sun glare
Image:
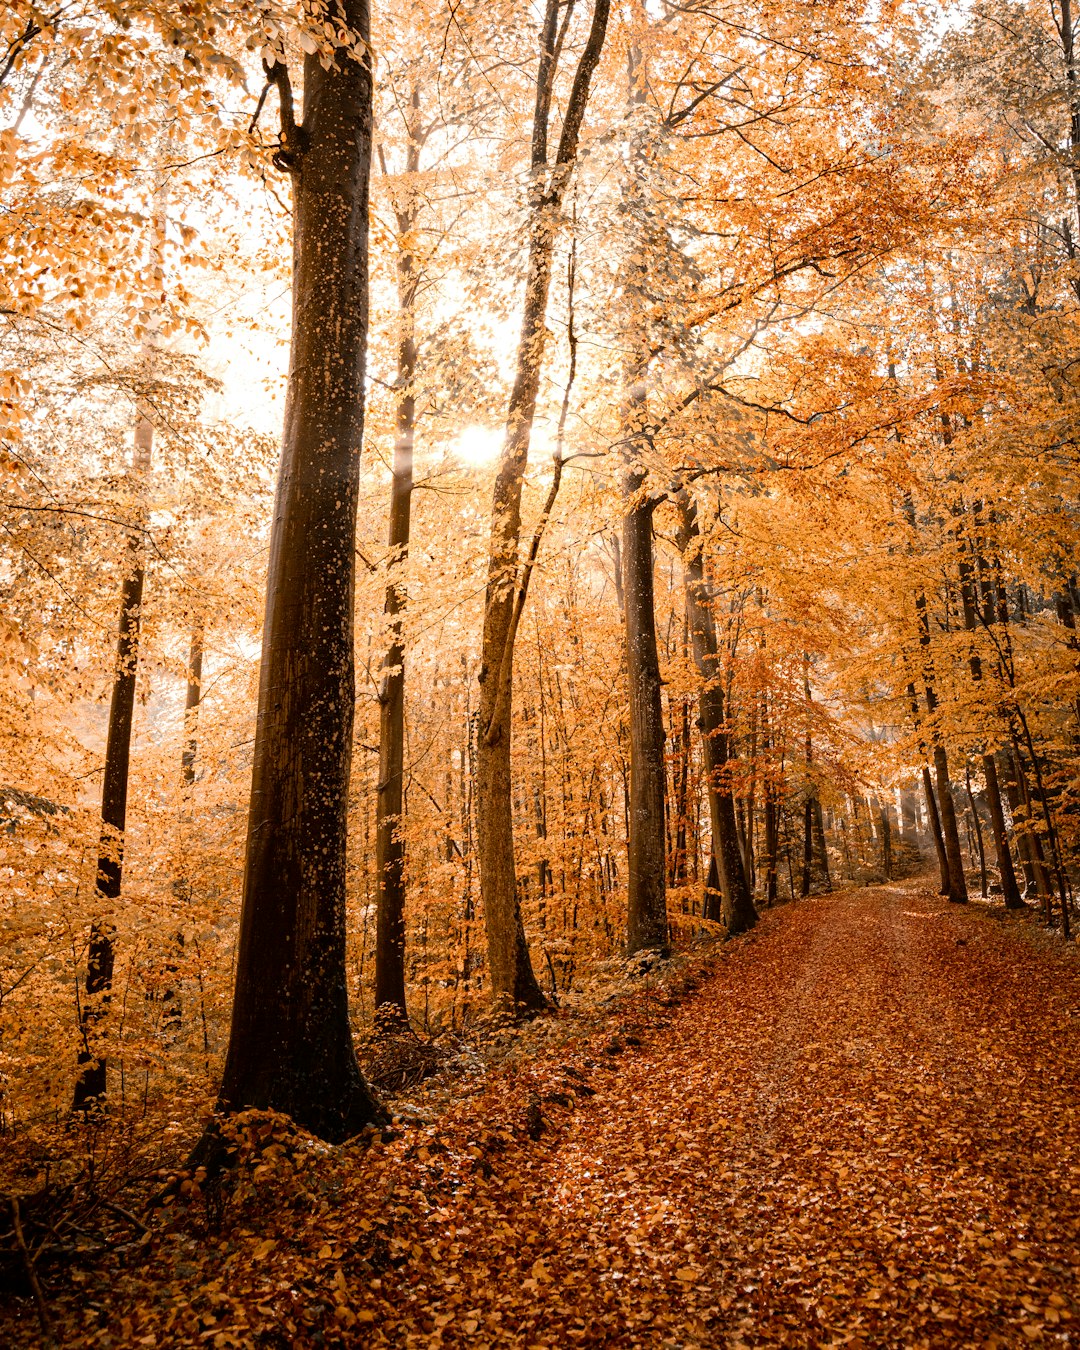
478 446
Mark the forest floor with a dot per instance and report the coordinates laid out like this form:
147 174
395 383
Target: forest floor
858 1125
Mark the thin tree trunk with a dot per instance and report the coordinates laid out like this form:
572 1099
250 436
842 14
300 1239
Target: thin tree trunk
389 818
928 796
737 907
91 1083
978 832
822 847
514 987
172 1010
646 916
808 847
771 809
956 883
290 1044
1009 889
886 841
192 696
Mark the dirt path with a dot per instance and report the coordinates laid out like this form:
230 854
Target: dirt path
862 1129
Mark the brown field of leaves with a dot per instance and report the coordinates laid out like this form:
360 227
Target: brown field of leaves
860 1126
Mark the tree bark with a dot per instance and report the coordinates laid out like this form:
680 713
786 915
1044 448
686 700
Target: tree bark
389 816
771 811
646 910
737 911
92 1079
955 882
886 841
514 988
1009 889
290 1043
928 796
192 697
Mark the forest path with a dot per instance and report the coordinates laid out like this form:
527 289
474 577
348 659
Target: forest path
864 1130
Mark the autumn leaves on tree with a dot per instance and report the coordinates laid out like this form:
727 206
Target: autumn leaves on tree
674 513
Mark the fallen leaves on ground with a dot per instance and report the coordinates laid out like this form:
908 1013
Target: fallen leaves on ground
862 1128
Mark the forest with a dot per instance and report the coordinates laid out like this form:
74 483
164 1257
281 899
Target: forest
539 673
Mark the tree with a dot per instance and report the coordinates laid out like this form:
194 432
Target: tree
290 1043
737 912
513 983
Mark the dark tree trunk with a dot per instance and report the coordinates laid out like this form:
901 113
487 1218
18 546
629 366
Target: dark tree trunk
928 796
770 810
681 777
957 891
813 824
822 847
935 829
772 847
714 895
389 817
886 841
1033 877
808 847
956 884
646 911
290 1045
737 908
91 1083
192 695
977 824
1063 603
172 1011
1009 889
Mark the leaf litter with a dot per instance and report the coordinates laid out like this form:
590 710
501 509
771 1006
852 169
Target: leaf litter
851 1127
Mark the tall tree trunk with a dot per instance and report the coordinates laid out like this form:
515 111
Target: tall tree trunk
808 847
1067 618
957 885
953 883
192 697
1007 775
646 905
770 809
1009 889
928 796
646 914
290 1044
886 841
90 1085
978 833
957 892
822 846
389 817
514 987
813 824
737 906
172 1007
